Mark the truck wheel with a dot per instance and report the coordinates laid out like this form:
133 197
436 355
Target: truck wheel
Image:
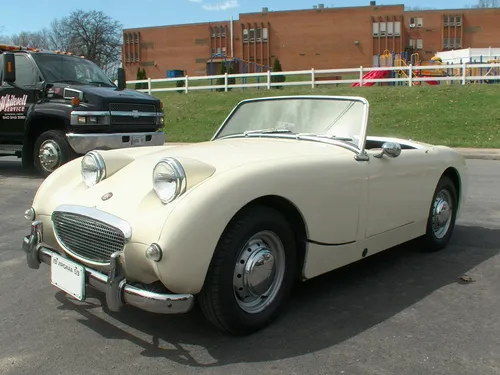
51 150
251 273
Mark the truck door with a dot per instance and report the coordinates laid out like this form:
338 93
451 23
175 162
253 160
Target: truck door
16 99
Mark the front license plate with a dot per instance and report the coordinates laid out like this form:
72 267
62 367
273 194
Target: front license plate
68 276
138 140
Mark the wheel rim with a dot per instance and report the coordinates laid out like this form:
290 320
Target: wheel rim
49 155
442 212
259 271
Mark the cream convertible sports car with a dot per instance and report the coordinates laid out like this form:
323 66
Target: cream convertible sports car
288 188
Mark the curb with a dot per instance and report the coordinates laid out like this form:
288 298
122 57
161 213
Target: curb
468 153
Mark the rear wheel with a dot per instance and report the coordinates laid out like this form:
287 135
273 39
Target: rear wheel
51 150
251 273
442 216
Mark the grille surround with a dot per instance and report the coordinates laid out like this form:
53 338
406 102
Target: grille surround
88 234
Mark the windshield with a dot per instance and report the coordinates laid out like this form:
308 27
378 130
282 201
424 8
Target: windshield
70 69
333 117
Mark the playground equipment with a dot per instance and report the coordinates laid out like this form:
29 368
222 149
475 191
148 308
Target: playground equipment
391 59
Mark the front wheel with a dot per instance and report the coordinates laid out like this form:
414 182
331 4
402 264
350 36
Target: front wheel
442 216
251 273
51 150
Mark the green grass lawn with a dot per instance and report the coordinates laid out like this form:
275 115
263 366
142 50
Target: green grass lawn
451 115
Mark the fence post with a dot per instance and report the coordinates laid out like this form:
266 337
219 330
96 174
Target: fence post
464 72
312 78
410 74
149 85
269 80
361 76
225 81
187 84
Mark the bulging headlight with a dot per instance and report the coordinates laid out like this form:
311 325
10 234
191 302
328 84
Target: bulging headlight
93 168
169 179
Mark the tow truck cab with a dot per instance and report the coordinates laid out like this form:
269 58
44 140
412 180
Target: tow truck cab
56 106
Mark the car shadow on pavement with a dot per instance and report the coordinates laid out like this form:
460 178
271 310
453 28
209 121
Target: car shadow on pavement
13 168
321 313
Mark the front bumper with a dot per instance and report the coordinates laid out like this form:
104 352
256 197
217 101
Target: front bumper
116 288
82 143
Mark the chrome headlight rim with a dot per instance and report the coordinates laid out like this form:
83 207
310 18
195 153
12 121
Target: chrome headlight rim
100 165
179 175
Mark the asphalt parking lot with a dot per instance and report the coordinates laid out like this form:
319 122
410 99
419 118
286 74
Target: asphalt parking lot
400 312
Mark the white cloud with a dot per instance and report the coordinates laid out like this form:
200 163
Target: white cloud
220 6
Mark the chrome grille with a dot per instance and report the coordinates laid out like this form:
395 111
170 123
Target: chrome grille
86 237
126 107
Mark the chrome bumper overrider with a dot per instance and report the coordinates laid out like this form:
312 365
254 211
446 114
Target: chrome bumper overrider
118 292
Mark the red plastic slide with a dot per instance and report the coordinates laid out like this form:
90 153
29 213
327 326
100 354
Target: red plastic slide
374 74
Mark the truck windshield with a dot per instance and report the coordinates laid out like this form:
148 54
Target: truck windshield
70 69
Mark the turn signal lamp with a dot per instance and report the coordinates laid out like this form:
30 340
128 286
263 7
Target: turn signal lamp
75 102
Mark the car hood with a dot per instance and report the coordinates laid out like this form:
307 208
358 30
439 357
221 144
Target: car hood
129 171
231 153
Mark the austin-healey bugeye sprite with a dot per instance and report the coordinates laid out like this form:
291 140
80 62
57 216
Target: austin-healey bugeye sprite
288 188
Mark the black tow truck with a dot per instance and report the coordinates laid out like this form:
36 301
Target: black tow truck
55 106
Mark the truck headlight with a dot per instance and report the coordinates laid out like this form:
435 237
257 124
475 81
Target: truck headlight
93 168
169 179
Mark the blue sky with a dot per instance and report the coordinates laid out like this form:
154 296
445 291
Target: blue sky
39 14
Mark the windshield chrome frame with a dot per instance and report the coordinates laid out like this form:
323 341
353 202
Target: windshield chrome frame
359 149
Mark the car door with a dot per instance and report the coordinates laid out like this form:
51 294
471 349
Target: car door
16 99
396 197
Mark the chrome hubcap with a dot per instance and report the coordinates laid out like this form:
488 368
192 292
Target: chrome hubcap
259 272
442 213
49 155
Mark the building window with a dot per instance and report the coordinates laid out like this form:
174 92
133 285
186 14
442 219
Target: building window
458 42
125 38
264 34
420 44
252 35
245 35
213 51
382 28
451 43
212 32
376 28
223 50
390 28
420 22
445 43
397 28
458 21
258 34
445 20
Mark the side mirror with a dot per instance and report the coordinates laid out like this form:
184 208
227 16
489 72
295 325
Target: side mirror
9 67
122 80
390 149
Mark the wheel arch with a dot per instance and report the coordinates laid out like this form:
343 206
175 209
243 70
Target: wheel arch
36 125
455 177
291 213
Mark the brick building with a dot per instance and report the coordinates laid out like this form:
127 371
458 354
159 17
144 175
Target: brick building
320 38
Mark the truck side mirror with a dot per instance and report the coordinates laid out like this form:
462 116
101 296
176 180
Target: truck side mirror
122 80
9 67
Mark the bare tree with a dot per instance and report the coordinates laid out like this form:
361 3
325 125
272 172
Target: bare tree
488 4
3 38
93 34
37 39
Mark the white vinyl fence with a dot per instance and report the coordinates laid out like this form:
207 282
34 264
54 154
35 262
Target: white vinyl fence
457 73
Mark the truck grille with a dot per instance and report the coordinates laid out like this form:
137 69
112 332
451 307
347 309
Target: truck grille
130 120
126 107
86 237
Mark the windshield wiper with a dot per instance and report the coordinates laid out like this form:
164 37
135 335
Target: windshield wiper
68 81
100 83
329 136
267 131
